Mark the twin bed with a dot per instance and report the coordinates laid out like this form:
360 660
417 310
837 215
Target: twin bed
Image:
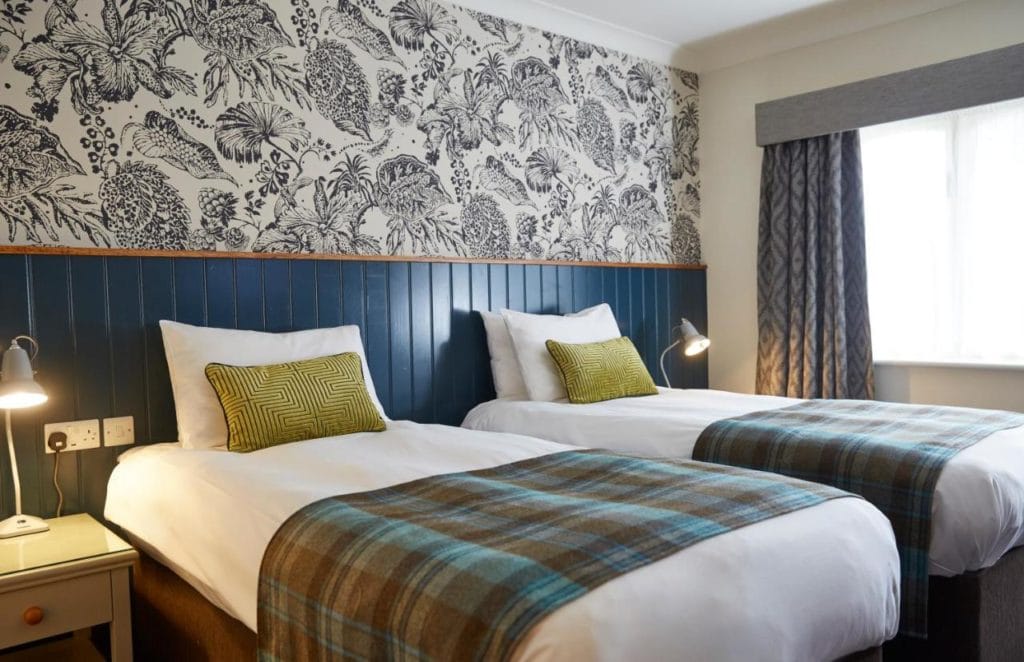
818 578
819 583
974 507
979 499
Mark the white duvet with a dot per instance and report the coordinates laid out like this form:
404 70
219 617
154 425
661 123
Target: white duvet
814 584
977 514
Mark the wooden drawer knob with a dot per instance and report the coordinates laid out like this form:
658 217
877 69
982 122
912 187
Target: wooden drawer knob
33 616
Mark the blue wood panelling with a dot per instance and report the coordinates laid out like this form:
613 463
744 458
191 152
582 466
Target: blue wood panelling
477 356
328 293
422 334
96 319
93 381
376 327
443 377
533 298
52 322
304 294
564 280
461 339
249 295
400 336
549 289
649 318
220 293
277 303
157 304
623 296
516 286
189 291
353 295
499 286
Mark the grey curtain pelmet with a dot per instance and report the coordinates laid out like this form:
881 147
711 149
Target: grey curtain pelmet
814 333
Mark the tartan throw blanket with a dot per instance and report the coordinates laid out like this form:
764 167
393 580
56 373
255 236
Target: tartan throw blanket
890 454
461 566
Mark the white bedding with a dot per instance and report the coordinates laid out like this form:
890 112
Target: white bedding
977 514
810 585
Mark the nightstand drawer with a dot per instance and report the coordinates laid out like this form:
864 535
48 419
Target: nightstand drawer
66 605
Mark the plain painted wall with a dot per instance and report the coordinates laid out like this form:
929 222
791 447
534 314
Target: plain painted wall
730 172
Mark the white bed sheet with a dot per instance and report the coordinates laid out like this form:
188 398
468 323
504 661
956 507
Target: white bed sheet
810 585
977 513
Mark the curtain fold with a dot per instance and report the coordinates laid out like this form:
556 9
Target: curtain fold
814 333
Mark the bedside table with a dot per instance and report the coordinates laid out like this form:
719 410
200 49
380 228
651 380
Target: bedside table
73 576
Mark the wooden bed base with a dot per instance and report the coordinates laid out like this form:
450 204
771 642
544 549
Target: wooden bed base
174 622
974 617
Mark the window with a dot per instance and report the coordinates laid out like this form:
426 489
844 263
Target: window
944 209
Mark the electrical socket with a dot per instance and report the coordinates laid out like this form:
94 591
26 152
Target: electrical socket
81 434
119 431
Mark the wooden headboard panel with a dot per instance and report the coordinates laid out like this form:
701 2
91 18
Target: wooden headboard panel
101 355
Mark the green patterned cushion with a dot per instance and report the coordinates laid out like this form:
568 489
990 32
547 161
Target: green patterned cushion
266 405
597 371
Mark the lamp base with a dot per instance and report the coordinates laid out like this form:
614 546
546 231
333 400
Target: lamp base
20 525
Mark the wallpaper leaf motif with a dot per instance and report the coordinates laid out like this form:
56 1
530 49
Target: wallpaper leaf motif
495 177
413 21
348 22
548 166
642 80
605 88
142 209
242 130
160 137
339 87
33 161
408 127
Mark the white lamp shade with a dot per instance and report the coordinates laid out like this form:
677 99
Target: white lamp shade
693 342
18 387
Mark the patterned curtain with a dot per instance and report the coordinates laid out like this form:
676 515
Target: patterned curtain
814 335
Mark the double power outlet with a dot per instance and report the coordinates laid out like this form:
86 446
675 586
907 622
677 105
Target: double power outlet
81 435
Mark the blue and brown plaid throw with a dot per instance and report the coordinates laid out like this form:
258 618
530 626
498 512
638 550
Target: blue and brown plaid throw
462 566
890 454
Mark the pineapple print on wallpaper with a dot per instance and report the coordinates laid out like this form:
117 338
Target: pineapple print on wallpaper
349 127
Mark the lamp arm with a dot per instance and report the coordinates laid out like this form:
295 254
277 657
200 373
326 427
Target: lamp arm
661 362
14 466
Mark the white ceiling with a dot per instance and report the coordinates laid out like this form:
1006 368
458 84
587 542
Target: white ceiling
702 35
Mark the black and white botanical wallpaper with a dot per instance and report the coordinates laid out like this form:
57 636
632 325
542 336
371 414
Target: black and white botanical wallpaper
402 127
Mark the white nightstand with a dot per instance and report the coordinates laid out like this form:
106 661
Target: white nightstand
73 576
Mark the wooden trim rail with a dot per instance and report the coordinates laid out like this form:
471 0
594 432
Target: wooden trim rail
132 252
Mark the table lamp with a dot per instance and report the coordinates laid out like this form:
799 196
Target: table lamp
692 342
18 389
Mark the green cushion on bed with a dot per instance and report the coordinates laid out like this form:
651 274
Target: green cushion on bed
598 371
275 404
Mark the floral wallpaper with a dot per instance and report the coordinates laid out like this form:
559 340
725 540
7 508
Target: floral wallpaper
367 127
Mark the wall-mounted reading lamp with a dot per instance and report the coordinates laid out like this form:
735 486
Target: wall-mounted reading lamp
19 389
692 343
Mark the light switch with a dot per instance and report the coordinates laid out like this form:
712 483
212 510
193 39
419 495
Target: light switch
119 431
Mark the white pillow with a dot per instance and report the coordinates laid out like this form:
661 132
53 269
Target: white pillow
508 380
190 348
530 333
